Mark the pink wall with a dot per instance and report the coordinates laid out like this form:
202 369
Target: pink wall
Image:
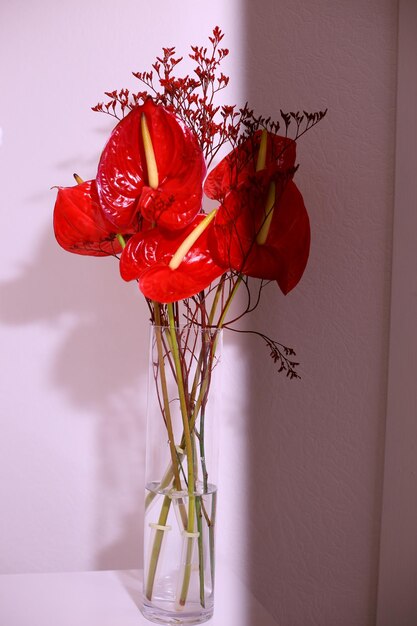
72 387
73 335
397 598
317 444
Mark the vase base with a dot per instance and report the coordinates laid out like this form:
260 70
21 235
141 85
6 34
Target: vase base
168 618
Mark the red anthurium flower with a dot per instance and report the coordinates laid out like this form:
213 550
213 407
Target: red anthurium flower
147 257
152 164
269 236
79 223
241 163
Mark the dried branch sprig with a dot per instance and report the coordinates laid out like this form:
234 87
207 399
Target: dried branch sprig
193 99
301 121
279 353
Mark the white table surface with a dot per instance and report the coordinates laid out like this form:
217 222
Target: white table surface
109 598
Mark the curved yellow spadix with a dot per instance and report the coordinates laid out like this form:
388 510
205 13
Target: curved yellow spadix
153 179
269 211
189 241
261 161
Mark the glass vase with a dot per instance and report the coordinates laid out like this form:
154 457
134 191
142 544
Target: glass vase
181 474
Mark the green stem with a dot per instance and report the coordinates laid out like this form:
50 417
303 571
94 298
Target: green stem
217 295
202 451
175 476
200 550
194 507
205 374
156 549
183 404
229 302
189 454
211 536
165 482
169 472
167 412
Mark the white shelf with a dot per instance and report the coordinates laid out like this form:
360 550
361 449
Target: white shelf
109 598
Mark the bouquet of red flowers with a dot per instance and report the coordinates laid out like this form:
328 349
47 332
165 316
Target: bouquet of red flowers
145 207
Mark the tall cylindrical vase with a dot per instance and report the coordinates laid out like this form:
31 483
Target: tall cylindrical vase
181 474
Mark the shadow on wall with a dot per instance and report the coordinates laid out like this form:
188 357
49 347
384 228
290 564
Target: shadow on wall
316 461
274 510
98 362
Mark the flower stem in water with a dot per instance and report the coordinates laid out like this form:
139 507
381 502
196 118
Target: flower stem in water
156 549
